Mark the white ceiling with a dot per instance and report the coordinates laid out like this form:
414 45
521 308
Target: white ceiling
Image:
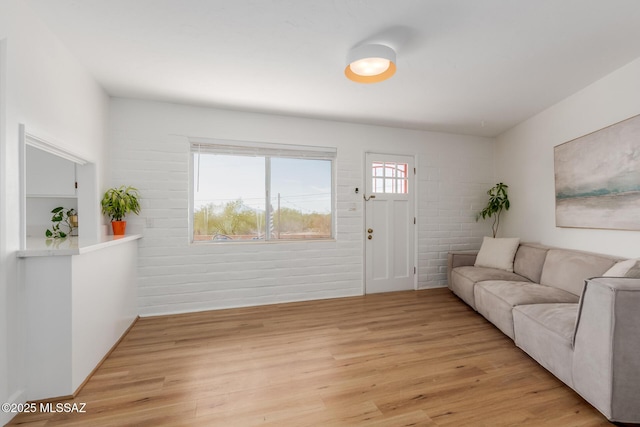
465 66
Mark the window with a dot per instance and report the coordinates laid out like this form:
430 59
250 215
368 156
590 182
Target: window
260 192
389 177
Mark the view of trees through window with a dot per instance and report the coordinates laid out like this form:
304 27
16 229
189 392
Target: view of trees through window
232 201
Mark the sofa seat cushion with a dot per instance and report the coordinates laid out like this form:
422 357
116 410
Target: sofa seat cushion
495 300
545 332
463 280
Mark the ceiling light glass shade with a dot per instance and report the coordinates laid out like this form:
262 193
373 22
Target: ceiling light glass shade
370 63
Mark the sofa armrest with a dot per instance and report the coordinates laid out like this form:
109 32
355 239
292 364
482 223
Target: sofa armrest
459 259
606 365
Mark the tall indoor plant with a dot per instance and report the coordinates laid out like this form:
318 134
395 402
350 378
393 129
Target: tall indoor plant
118 202
498 200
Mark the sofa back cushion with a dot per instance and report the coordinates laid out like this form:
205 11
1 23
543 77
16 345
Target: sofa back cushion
626 268
529 261
567 270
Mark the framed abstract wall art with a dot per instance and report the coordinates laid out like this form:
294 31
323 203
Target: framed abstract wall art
597 178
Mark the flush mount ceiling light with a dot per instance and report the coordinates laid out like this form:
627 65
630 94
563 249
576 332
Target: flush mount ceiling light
370 63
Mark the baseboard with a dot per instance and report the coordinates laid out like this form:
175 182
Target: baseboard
52 399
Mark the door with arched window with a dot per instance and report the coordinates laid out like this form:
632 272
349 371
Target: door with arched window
389 223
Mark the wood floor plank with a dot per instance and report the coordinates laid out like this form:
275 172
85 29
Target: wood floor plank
407 358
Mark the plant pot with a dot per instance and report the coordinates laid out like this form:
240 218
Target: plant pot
118 227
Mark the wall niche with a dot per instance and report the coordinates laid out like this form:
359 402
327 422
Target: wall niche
52 176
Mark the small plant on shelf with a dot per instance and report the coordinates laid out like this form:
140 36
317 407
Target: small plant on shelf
117 203
62 218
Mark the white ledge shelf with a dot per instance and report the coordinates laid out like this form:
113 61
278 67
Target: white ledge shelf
40 247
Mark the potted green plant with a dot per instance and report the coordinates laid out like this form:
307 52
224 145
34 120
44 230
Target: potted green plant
498 200
62 218
118 202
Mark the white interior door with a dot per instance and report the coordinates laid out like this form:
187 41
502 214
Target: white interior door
389 223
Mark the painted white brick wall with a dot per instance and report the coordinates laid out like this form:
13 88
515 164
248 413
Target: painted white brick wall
149 149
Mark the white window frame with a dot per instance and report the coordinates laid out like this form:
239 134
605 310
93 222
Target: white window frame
268 150
396 181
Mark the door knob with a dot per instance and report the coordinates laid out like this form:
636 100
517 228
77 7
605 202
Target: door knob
369 237
370 230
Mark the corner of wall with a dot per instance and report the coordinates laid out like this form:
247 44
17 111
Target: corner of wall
525 160
4 323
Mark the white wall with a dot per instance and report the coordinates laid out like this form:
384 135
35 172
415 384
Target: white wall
4 318
149 150
78 308
525 163
46 89
104 303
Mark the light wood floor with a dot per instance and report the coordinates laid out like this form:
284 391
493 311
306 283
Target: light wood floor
402 359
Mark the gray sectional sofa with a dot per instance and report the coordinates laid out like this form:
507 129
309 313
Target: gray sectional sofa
583 328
